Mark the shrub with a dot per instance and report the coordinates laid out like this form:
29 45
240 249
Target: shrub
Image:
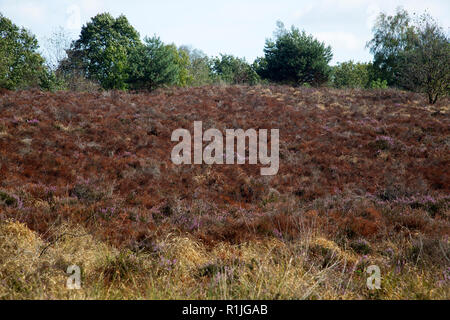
379 84
7 199
351 75
361 246
234 70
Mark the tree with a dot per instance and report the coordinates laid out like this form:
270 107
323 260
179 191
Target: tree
425 65
21 66
351 75
182 61
295 57
199 68
234 70
102 51
153 65
392 36
56 47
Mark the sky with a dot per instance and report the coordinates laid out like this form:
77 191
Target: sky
238 27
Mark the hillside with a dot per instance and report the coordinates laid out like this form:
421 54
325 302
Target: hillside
87 179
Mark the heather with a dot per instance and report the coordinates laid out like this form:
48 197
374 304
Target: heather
87 179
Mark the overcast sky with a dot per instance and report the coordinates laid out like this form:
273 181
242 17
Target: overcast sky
238 27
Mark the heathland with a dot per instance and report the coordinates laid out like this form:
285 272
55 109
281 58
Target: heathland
87 179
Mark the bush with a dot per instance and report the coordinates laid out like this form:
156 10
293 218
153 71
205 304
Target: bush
378 84
233 70
351 75
296 58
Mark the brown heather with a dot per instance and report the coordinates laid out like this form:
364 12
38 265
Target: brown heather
86 179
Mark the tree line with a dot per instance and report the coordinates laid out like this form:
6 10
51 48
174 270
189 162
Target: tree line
409 53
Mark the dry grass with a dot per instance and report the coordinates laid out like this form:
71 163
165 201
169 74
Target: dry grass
86 179
182 268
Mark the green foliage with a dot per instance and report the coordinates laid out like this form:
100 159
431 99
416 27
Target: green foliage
392 35
182 61
50 81
154 65
101 53
351 75
7 199
234 70
199 68
296 58
378 84
425 66
21 66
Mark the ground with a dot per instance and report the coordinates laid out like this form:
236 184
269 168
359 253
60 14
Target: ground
87 179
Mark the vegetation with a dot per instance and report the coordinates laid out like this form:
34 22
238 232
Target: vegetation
86 180
153 65
102 51
296 58
234 70
86 177
351 75
21 66
392 36
199 69
425 67
409 54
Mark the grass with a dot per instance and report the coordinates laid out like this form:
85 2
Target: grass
363 181
182 268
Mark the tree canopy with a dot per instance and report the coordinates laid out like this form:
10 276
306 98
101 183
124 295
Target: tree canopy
425 65
21 66
103 49
295 57
391 36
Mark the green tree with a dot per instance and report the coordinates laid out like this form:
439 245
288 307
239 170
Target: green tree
425 65
199 68
296 58
392 36
101 53
351 75
182 61
21 66
154 65
234 70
